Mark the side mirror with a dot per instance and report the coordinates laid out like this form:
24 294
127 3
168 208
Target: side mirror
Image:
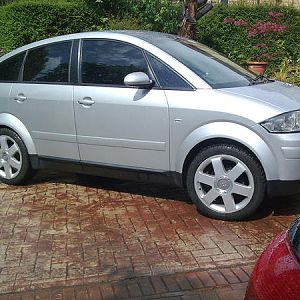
139 80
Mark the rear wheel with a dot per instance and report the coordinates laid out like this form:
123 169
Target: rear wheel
15 165
226 182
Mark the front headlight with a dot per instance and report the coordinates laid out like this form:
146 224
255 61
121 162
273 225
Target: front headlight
287 122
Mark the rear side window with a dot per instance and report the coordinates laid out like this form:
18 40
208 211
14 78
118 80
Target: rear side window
167 78
108 62
10 68
48 63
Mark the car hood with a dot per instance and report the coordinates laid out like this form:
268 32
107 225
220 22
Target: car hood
282 96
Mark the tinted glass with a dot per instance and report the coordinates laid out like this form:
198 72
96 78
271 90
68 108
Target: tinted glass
215 69
49 63
10 68
167 78
108 62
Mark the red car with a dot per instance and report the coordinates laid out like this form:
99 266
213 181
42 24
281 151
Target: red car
276 274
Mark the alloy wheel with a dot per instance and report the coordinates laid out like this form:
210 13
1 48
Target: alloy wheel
10 158
224 183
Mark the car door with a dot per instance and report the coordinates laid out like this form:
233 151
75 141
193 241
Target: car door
9 72
43 100
119 125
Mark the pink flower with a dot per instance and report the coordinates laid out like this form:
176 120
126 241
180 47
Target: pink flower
268 55
264 27
228 20
274 15
240 22
251 32
260 45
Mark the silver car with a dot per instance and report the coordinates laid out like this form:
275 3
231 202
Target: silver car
150 106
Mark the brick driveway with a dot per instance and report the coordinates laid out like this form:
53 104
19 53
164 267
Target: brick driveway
66 236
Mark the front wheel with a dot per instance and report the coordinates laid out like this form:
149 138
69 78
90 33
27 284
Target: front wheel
15 166
226 182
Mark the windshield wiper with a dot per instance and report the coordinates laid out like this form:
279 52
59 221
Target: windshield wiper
260 79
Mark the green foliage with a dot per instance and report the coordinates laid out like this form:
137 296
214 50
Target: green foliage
115 7
23 22
235 42
288 72
157 15
124 24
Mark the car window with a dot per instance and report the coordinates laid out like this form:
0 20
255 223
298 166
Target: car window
167 78
108 62
48 63
211 66
10 68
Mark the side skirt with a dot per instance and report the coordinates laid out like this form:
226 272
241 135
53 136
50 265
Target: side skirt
168 178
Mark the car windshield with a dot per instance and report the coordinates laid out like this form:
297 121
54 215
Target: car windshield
211 66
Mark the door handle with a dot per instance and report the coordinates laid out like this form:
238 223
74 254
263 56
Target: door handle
87 101
20 98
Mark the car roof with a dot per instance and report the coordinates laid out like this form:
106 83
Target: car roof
134 36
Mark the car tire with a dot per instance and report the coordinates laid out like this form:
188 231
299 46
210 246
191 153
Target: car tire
15 167
226 182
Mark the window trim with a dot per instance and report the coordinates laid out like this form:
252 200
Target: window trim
48 82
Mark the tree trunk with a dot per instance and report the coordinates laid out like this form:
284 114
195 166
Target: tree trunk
187 27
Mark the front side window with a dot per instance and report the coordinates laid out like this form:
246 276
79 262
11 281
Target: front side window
48 63
108 62
166 77
10 68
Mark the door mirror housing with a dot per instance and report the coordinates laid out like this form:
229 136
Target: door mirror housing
138 79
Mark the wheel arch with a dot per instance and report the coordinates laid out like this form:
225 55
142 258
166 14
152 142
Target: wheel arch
11 122
214 133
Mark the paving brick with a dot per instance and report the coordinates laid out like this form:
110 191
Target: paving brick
226 247
206 279
15 297
230 294
225 257
94 292
134 290
194 280
241 274
146 286
218 277
245 251
229 276
183 282
159 285
68 293
248 269
28 296
57 294
70 231
171 284
107 291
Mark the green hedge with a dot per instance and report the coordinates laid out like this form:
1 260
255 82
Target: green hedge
156 15
23 22
234 41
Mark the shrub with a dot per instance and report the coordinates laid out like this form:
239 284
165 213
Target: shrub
157 15
23 22
288 72
214 30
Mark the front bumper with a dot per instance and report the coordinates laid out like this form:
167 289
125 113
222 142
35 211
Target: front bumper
282 163
278 188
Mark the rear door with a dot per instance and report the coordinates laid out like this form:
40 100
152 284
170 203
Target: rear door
9 73
43 100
